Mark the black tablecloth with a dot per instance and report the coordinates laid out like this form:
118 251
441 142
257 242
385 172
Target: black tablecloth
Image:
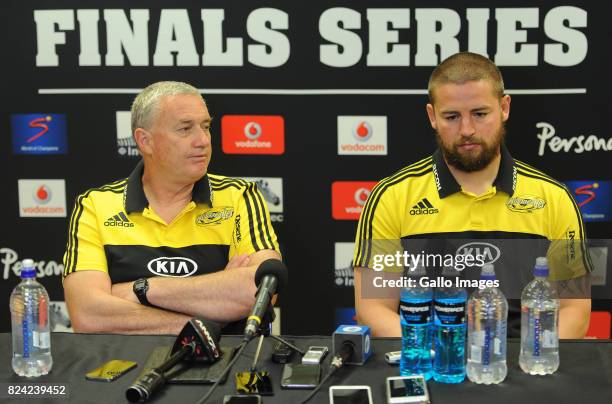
585 374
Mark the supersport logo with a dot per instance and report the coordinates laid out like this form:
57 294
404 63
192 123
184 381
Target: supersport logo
39 123
586 190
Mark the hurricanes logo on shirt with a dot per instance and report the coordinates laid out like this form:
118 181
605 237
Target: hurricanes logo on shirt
214 216
525 203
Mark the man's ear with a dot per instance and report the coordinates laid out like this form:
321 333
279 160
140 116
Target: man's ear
431 114
505 107
144 140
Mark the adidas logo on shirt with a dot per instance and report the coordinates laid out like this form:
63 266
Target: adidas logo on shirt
424 207
119 220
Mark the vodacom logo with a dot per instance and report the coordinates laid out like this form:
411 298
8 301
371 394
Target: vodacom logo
363 131
42 194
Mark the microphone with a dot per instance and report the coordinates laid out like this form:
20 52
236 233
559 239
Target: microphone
271 277
197 341
355 338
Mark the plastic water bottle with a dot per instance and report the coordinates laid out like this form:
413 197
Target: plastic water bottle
487 332
416 322
449 331
539 324
29 304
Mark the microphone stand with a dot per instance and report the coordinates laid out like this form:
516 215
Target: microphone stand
265 329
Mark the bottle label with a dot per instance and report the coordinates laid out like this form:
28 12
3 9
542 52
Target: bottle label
476 354
450 313
536 332
416 312
549 339
41 340
483 344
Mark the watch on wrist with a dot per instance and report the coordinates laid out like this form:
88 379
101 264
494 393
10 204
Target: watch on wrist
140 290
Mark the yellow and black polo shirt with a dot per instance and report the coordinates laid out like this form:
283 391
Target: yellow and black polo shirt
113 230
424 202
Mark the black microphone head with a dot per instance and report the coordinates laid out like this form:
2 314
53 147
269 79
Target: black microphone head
205 334
275 268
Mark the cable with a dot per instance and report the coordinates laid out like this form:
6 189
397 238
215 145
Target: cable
332 370
346 352
242 345
290 345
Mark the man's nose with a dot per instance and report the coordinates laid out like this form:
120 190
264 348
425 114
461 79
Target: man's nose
202 138
467 126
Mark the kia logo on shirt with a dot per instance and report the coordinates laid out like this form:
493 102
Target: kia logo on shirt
253 134
594 199
42 198
349 197
39 133
487 251
362 135
172 266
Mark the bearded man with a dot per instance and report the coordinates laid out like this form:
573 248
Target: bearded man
471 187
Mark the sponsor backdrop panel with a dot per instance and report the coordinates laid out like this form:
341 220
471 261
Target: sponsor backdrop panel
315 101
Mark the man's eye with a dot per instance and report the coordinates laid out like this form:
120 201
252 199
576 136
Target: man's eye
451 117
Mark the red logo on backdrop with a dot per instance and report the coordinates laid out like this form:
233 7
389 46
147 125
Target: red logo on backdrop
42 194
363 131
349 197
253 134
39 123
587 190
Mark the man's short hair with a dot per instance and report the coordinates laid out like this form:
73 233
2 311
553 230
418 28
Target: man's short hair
144 107
463 67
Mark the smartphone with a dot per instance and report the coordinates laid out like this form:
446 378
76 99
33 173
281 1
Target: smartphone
240 399
254 383
111 370
314 355
300 376
350 395
407 389
393 358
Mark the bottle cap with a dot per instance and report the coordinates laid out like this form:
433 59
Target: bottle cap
488 272
418 271
541 267
27 269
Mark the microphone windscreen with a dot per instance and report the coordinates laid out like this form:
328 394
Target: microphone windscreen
275 268
206 335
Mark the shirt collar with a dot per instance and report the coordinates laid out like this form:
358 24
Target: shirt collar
135 200
448 185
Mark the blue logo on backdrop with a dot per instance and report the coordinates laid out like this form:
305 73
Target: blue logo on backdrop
345 315
594 199
39 133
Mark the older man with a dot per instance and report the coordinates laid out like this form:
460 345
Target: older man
171 241
470 188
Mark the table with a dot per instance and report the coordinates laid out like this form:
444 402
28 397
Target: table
584 376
